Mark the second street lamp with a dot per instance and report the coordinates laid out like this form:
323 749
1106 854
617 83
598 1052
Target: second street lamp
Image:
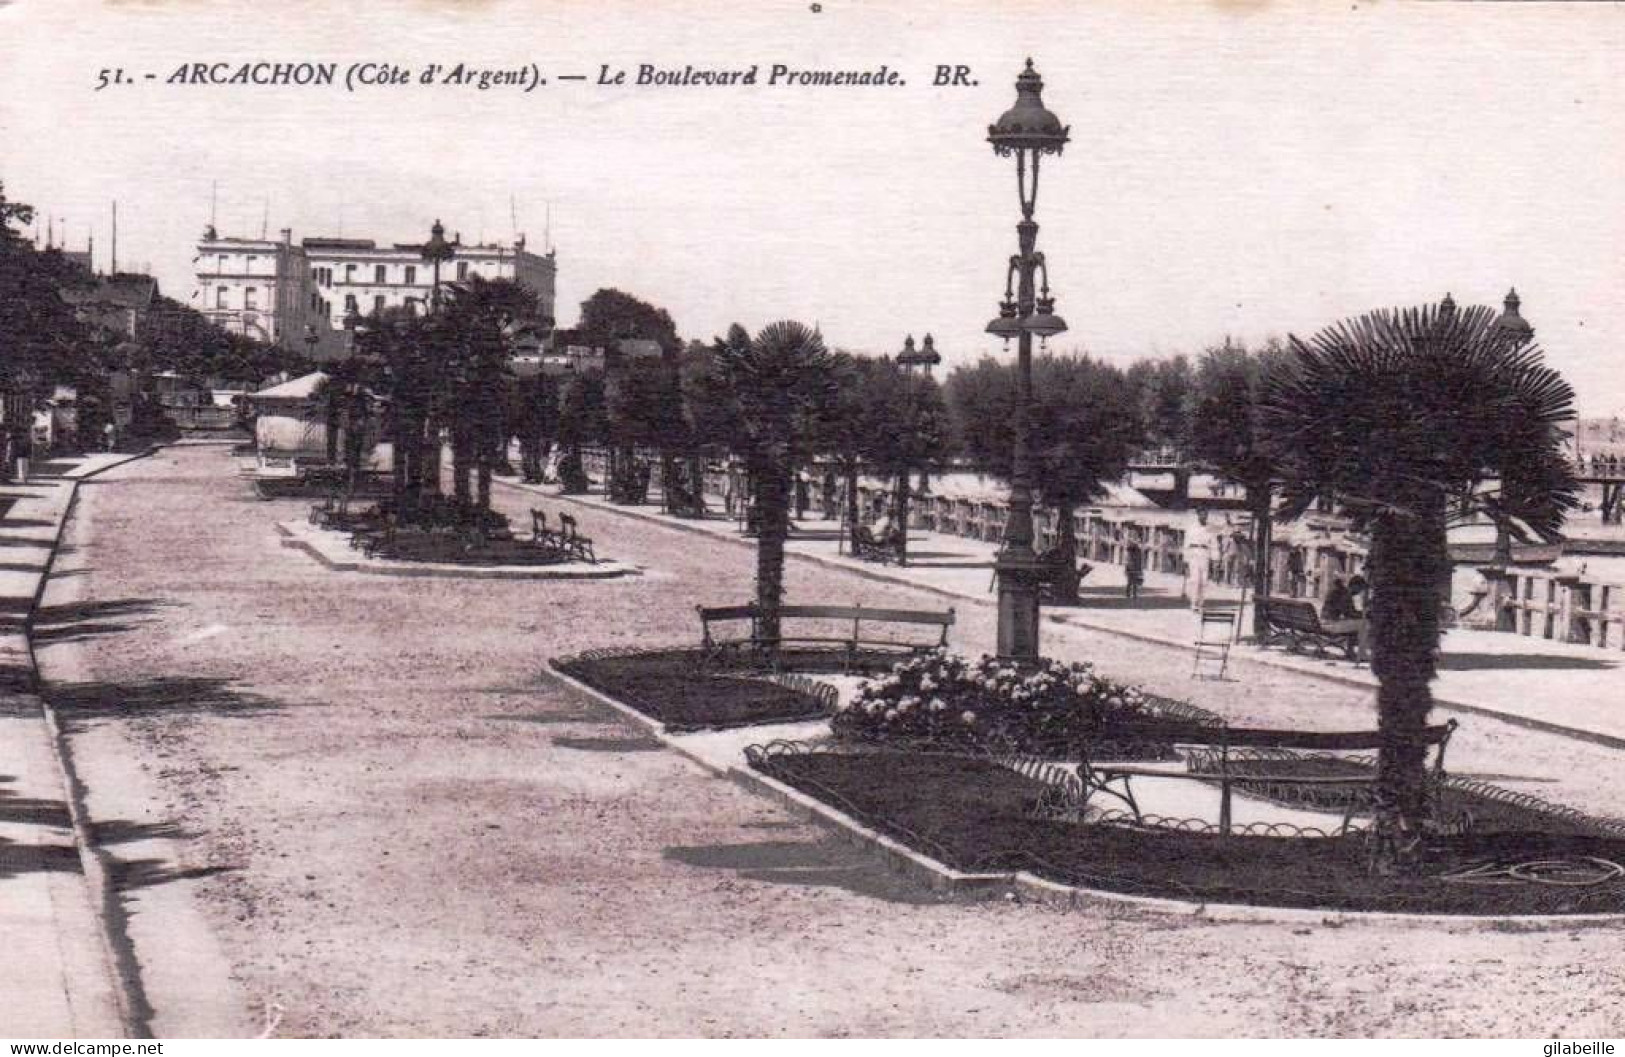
1028 131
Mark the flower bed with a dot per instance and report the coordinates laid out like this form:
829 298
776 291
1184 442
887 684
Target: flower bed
944 700
676 688
976 816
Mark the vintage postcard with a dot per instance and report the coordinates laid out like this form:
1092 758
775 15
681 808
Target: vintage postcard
811 519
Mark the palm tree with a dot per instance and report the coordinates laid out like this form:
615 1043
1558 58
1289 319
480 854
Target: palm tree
1404 418
778 383
1083 427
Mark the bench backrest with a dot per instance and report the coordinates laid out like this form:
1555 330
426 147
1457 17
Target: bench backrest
1263 738
1296 613
863 613
567 525
858 615
538 521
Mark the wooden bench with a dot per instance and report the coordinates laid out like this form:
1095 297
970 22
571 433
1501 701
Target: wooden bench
1295 622
846 645
1219 765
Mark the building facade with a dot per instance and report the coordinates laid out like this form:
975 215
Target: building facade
298 296
256 287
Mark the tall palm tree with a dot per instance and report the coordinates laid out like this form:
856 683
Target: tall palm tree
1411 419
778 382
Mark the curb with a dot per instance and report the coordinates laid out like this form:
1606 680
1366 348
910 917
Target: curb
1609 741
117 956
939 877
294 539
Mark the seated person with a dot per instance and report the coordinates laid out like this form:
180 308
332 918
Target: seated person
1339 604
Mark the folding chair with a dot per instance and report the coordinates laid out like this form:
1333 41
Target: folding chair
1215 631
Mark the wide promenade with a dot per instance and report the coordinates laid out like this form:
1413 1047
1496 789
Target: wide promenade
340 804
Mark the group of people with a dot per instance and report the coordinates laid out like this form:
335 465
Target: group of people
1600 465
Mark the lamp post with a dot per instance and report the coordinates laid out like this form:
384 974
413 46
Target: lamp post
1028 131
925 358
437 249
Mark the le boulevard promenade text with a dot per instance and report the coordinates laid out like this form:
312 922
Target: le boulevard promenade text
368 76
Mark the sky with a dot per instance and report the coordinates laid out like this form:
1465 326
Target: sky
1244 169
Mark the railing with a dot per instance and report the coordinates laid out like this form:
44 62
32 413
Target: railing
1542 604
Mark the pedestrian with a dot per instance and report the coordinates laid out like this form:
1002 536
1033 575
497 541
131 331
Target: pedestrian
1133 570
1198 547
23 450
1296 580
803 494
110 436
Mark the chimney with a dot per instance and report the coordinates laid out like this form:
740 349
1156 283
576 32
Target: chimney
287 236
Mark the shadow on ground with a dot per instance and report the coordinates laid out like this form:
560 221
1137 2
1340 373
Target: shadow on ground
1112 598
78 703
819 865
631 744
18 859
76 621
148 873
1477 662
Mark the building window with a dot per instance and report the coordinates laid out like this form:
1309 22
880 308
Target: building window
378 303
248 263
380 274
250 297
462 269
411 275
349 304
349 273
222 267
220 297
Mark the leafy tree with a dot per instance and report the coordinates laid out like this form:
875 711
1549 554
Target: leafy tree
778 383
643 399
404 359
1082 430
904 426
1225 432
43 342
534 416
475 321
1402 417
842 428
1164 390
582 420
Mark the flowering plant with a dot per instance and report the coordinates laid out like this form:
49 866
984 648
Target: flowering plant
944 698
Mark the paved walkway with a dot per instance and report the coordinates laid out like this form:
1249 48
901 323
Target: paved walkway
1558 687
56 974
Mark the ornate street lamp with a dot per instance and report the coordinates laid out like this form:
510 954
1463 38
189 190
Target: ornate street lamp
1028 131
926 357
436 250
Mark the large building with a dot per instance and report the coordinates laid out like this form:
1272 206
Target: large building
256 287
298 296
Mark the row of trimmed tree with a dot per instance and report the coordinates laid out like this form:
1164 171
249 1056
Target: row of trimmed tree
1406 421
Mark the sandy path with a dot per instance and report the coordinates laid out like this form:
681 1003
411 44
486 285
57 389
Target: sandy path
416 832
